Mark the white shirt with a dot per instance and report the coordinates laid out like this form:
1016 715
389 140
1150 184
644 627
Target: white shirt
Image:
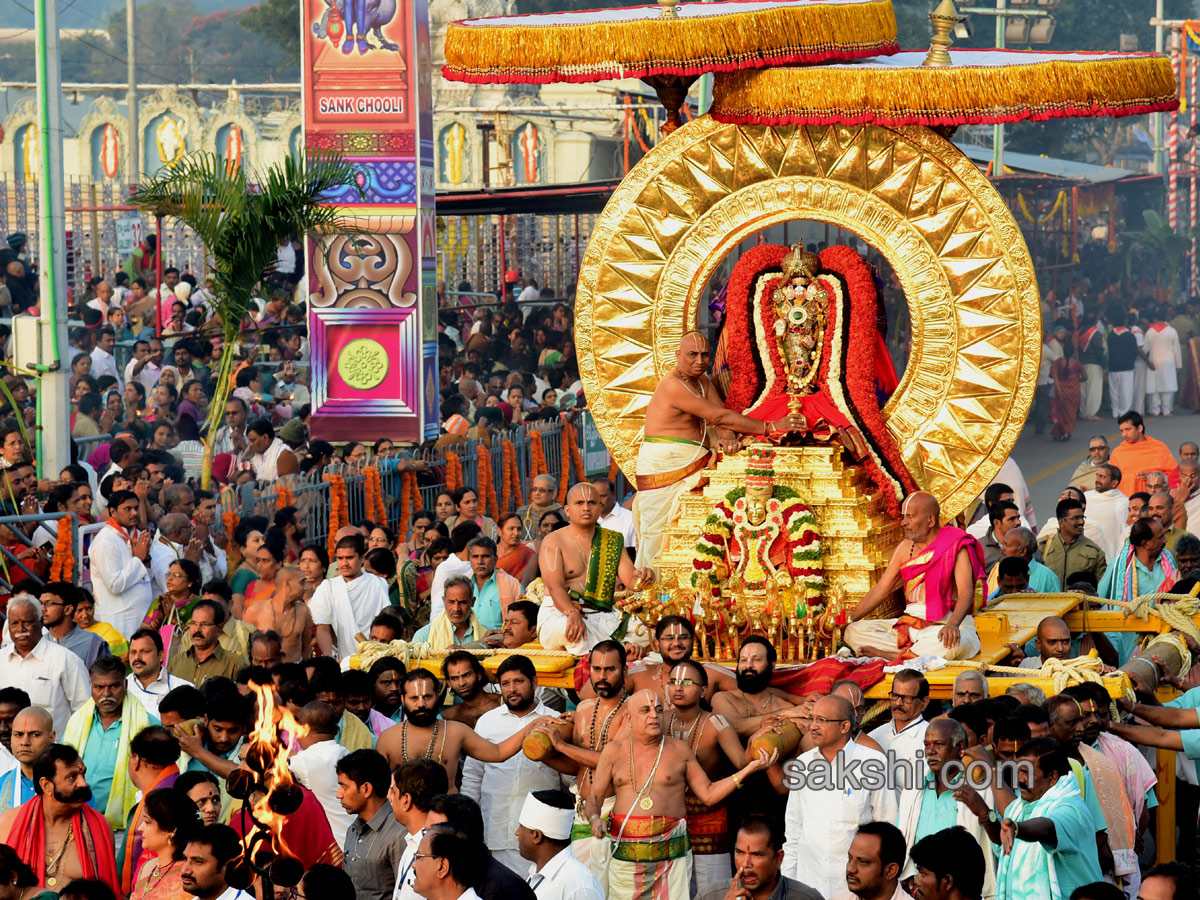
314 767
8 762
120 581
501 788
53 677
905 743
451 566
529 294
266 465
348 607
819 824
1106 514
104 363
565 878
620 520
285 260
404 889
163 552
234 894
148 376
899 894
151 694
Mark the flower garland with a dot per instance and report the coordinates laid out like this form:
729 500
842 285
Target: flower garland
487 488
512 478
373 491
454 471
537 454
405 520
231 520
62 567
284 497
571 452
1029 217
339 515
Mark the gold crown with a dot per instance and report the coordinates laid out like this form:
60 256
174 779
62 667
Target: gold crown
799 263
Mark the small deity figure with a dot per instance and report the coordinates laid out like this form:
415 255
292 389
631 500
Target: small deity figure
760 540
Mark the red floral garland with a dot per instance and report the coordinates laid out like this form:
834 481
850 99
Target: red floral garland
405 520
512 477
339 515
739 338
284 497
487 490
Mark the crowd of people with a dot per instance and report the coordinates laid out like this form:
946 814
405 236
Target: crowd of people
127 704
1145 357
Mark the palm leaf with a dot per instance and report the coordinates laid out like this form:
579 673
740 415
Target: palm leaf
242 217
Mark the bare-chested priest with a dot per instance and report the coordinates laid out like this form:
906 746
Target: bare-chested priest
57 834
422 735
593 725
940 566
754 700
713 741
676 443
650 773
581 565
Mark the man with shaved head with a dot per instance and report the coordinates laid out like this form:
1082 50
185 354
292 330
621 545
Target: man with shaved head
678 442
1187 495
940 566
581 565
32 735
1053 641
1162 508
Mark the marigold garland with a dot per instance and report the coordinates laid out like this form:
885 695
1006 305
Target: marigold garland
454 471
537 454
415 489
284 497
373 495
487 489
572 439
512 478
231 520
339 515
402 524
62 567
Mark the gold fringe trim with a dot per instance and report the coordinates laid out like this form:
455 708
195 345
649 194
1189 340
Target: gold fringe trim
997 93
827 30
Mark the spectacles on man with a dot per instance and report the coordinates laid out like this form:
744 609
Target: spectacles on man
821 720
681 682
903 698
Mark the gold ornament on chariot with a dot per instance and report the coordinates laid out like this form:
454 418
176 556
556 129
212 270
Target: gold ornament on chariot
363 364
960 258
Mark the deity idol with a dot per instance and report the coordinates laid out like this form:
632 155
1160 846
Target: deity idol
761 538
801 335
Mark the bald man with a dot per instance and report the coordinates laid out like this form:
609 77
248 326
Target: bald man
32 734
940 567
1053 641
1162 508
1187 495
581 565
677 441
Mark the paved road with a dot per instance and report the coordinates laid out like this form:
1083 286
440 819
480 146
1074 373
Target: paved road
1047 464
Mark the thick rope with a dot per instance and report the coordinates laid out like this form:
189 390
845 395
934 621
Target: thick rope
409 652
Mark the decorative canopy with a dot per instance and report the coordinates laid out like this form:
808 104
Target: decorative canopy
648 41
980 87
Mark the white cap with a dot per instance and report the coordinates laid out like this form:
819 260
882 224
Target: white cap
551 821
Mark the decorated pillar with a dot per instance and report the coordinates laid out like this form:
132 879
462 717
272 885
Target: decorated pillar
373 300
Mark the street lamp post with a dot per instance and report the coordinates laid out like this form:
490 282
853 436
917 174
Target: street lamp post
1019 21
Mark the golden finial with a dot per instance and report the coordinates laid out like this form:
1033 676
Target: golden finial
944 18
668 9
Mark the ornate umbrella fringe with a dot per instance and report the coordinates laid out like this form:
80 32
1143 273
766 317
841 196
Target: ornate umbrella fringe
798 33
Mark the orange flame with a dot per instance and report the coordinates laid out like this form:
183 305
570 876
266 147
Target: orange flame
268 745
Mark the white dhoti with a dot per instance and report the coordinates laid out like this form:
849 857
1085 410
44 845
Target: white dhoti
666 467
1120 389
597 626
881 634
593 852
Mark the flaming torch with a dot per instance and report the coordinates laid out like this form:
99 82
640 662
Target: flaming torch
268 794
